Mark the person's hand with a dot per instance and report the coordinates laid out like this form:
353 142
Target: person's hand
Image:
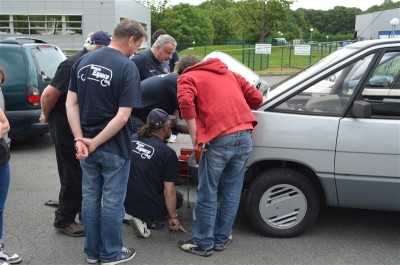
175 225
88 142
43 118
82 151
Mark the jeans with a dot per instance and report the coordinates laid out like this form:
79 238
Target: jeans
225 160
104 180
4 185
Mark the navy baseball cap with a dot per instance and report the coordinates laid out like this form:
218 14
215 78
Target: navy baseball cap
159 117
101 38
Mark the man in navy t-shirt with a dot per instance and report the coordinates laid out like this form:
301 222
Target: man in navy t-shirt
151 192
155 61
158 92
175 56
104 88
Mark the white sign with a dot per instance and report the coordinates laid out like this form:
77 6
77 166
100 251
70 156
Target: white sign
302 49
263 49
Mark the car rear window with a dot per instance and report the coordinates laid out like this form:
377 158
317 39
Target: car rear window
47 58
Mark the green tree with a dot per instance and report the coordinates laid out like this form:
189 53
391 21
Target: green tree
386 4
157 8
188 24
258 19
221 13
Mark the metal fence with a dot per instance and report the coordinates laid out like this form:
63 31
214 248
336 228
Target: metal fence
281 56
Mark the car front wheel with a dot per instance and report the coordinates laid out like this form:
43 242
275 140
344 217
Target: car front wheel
282 202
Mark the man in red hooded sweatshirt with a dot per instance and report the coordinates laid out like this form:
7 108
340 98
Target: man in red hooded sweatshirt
216 104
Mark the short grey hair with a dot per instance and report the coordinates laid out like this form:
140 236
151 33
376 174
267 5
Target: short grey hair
163 40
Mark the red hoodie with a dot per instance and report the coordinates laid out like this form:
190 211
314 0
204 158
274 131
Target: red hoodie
219 99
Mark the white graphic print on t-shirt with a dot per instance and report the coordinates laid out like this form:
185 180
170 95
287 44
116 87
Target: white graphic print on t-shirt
144 150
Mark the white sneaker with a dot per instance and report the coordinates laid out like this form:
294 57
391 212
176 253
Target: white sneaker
14 258
140 227
90 260
173 138
127 217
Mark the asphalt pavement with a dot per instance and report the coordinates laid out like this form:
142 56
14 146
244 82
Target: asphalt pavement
340 236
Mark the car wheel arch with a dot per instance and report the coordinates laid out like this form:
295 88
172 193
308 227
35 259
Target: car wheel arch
255 169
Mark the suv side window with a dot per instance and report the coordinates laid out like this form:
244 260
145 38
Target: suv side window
47 59
330 95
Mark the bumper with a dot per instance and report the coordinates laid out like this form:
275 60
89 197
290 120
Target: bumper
25 123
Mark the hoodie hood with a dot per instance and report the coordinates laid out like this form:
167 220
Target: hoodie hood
213 65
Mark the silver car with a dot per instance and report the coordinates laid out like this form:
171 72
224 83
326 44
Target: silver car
328 135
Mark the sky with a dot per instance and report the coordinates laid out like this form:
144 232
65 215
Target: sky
310 4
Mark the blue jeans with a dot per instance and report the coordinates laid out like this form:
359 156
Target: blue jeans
104 180
225 159
4 185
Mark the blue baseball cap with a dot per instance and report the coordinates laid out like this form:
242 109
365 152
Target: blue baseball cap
100 37
159 117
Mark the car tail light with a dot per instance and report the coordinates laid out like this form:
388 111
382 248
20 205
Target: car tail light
33 95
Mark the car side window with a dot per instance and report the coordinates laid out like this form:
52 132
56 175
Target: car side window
47 59
382 90
331 95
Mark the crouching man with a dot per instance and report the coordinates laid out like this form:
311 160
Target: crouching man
151 193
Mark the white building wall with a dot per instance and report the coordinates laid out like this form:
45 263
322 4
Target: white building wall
369 25
96 15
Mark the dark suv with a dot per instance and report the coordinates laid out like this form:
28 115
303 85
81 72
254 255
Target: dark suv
30 64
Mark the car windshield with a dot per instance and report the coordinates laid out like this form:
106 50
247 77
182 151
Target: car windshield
47 58
331 59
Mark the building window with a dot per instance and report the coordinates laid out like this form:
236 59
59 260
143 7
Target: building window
73 25
41 24
21 24
4 24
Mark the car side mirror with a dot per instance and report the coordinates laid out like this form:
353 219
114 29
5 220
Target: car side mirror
361 109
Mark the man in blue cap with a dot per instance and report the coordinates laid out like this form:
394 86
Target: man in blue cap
151 193
53 111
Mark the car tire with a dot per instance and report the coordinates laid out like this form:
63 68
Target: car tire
282 202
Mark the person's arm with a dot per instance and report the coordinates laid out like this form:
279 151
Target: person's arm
4 124
111 129
170 203
74 120
48 100
251 94
192 128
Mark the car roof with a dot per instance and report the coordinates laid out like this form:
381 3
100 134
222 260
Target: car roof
326 63
22 40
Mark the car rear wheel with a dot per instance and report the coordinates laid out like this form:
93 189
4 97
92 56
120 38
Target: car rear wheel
282 202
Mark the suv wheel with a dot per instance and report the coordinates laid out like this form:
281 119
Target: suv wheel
282 202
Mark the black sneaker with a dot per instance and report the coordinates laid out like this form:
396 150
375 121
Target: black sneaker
221 247
125 255
191 247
